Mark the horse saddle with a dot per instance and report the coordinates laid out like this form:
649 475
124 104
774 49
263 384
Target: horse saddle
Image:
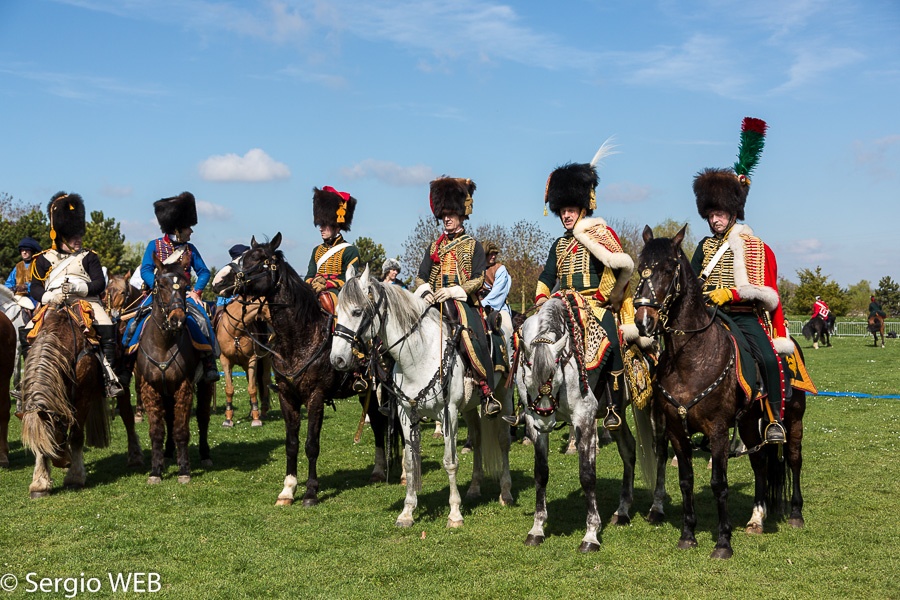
79 311
328 302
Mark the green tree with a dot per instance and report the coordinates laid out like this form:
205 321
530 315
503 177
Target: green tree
415 246
858 298
208 295
524 258
18 220
104 237
888 295
786 291
133 255
815 283
370 254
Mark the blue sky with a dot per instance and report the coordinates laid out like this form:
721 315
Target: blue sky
250 104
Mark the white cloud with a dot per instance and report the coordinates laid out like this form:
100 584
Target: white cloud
810 250
389 172
256 165
214 212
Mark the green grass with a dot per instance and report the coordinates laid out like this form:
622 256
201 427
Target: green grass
222 536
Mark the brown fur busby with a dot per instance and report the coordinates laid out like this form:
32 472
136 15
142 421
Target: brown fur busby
572 185
490 248
177 212
66 214
451 194
720 189
333 208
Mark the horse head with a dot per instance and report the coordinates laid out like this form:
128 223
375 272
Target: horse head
543 340
662 276
119 295
358 318
257 272
170 287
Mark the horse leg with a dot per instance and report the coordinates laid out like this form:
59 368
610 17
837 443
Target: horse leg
749 429
379 424
719 443
315 415
181 432
252 391
628 452
410 458
169 404
451 465
76 475
157 429
586 441
123 403
229 390
571 448
505 439
794 454
5 404
682 446
473 424
40 481
657 509
291 449
541 476
205 392
438 432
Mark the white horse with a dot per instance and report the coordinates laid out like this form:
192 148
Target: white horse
550 390
429 380
9 304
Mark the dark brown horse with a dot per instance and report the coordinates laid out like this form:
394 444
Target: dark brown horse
167 368
7 365
876 327
300 348
63 399
697 391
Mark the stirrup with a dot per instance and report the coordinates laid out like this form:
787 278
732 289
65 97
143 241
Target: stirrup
774 433
491 405
113 389
360 385
385 409
612 421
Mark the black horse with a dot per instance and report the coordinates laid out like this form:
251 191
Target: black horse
818 329
697 391
300 350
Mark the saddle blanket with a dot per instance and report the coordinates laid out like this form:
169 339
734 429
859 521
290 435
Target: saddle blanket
79 310
133 331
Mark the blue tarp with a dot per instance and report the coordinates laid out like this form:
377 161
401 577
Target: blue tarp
860 395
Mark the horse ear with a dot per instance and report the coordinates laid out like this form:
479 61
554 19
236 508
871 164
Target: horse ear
364 278
351 272
679 237
648 234
253 243
276 241
127 275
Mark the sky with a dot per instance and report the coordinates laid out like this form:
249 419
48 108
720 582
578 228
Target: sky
251 104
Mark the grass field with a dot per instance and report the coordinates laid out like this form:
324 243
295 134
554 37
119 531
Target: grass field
222 537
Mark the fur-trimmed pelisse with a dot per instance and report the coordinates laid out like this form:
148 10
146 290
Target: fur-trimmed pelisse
326 204
176 212
720 189
452 194
66 214
572 185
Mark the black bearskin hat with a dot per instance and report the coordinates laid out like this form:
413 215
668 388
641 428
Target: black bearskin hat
451 194
720 189
333 208
572 185
66 213
176 212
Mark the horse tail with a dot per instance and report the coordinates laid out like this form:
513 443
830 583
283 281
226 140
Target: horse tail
48 372
776 480
96 428
646 443
491 451
807 330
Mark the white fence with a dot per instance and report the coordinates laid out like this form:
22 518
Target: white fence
846 328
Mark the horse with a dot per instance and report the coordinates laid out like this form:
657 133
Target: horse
428 379
697 390
300 348
167 370
876 326
817 329
8 355
238 325
17 315
552 388
63 398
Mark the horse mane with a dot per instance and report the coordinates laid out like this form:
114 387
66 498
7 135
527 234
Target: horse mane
296 293
44 389
659 250
406 307
6 295
551 324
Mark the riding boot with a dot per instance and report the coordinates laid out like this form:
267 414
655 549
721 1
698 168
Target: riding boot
775 433
490 406
210 369
23 352
107 335
612 421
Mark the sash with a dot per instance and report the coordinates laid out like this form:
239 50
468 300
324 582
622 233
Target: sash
59 270
715 260
331 252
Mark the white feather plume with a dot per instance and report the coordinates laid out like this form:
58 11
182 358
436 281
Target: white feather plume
606 149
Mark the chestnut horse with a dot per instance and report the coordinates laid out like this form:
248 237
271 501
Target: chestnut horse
239 325
697 390
63 399
168 367
876 326
8 345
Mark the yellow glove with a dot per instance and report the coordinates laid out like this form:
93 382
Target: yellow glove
317 283
721 296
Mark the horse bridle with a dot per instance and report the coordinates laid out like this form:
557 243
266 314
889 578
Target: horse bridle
371 311
673 291
267 268
177 300
545 390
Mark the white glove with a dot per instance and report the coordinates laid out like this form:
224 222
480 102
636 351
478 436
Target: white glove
452 292
52 297
75 287
425 292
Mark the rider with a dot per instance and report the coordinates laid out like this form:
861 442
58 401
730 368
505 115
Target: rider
235 253
875 309
390 271
176 217
67 272
328 263
588 260
738 270
452 273
820 309
497 282
19 280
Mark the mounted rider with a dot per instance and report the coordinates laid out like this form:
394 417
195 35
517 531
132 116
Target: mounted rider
19 280
588 269
820 309
235 252
176 217
875 309
328 263
390 271
738 270
69 274
497 281
451 275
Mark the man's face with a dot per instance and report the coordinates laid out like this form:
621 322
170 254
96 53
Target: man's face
719 220
183 235
452 222
492 258
569 216
72 245
327 231
26 254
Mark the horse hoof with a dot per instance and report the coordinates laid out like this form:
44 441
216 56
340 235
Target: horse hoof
36 495
284 501
454 524
473 494
153 480
227 423
655 517
723 553
403 523
377 478
620 520
571 450
4 461
797 522
506 499
534 540
686 544
754 529
465 450
674 462
403 481
586 547
184 479
310 502
437 436
256 423
526 441
206 463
